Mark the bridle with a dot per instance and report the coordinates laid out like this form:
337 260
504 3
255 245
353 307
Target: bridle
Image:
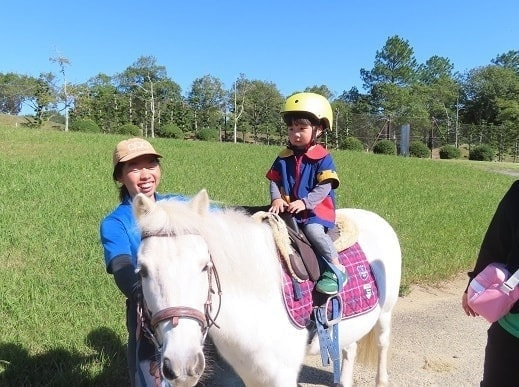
204 318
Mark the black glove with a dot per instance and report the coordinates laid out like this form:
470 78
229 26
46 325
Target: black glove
125 277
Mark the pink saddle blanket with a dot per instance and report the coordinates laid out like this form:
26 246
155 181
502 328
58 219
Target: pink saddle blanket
359 295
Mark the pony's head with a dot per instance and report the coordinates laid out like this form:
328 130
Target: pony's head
176 269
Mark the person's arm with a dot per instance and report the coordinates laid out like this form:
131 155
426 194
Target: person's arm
501 243
317 195
277 203
125 277
118 258
275 193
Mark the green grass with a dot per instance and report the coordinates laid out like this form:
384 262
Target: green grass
62 318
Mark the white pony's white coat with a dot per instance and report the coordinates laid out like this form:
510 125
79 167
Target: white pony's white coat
255 336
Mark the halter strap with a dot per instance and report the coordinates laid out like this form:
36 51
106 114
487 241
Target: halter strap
176 313
205 319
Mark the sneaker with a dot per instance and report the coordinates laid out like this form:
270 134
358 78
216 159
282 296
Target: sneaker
329 284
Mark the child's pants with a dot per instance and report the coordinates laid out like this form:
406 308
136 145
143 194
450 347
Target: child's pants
320 240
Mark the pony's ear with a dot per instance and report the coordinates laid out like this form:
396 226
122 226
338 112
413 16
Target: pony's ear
142 205
200 202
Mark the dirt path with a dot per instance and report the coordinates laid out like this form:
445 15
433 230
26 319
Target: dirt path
433 343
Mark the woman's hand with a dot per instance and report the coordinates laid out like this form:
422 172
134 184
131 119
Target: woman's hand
465 305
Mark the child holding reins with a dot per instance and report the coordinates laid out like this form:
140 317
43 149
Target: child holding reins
303 178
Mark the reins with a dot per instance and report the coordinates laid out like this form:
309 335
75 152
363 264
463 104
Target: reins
205 319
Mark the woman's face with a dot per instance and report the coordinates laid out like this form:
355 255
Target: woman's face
141 175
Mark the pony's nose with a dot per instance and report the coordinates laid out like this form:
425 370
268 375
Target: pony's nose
198 366
194 369
167 370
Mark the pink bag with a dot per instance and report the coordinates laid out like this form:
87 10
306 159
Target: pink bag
493 292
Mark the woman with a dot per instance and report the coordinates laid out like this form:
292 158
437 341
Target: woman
136 167
500 244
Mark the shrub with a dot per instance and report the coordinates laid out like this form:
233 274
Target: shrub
385 147
128 129
171 131
353 144
483 152
419 149
449 152
207 134
85 125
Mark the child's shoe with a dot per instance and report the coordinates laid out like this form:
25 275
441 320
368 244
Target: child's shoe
329 283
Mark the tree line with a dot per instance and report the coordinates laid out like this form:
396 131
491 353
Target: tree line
479 106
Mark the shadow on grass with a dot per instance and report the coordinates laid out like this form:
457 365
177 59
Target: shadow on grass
60 367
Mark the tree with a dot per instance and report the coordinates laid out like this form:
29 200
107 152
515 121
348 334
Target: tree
490 99
394 71
394 64
508 60
147 86
100 100
206 99
341 122
321 90
63 94
236 101
14 90
43 99
439 91
483 88
262 107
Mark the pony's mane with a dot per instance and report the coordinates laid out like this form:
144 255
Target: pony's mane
179 218
232 236
171 217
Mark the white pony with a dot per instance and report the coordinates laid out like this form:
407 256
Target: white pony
218 272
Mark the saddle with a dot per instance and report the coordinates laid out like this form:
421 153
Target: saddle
296 251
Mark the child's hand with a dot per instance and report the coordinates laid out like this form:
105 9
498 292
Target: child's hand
296 206
277 206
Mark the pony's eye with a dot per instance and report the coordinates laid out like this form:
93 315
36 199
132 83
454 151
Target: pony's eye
142 270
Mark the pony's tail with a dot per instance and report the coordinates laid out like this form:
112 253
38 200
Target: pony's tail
367 351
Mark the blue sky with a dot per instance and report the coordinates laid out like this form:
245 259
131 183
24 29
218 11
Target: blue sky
294 44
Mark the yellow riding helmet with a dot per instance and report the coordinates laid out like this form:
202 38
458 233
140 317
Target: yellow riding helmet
311 103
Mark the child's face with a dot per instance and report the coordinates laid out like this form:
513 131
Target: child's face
300 135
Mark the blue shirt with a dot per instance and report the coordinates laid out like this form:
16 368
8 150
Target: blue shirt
120 234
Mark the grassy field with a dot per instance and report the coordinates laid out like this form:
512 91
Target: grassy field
62 316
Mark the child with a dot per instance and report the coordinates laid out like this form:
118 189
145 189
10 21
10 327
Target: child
303 179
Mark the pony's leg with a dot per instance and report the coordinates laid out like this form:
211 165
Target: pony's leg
383 331
348 360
